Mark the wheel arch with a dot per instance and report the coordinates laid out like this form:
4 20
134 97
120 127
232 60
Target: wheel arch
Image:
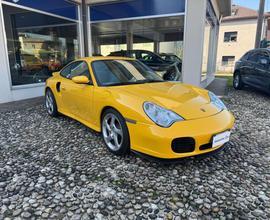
47 88
124 126
105 108
237 71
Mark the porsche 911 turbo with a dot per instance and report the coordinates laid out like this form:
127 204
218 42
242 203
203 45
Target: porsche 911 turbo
136 110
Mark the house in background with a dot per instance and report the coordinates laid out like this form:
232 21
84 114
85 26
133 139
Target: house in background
237 35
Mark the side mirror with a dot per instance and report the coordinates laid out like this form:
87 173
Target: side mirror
80 79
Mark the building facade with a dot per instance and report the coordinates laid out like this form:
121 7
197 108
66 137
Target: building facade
237 36
39 37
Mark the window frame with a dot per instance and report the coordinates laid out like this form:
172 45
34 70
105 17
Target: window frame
230 37
226 63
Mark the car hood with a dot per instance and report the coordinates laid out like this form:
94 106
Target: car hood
188 101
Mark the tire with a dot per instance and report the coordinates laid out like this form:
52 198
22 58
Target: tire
115 132
237 81
50 103
170 77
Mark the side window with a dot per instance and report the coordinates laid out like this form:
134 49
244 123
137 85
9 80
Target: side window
132 54
149 57
79 68
146 57
245 57
66 71
253 57
263 58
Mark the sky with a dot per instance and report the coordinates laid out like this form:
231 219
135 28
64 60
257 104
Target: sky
254 4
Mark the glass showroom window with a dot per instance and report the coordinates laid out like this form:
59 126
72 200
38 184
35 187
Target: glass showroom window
38 44
152 40
161 35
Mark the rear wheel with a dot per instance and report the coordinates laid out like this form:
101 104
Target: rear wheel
50 103
237 81
115 132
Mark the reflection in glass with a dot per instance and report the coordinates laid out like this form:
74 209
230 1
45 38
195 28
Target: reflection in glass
38 45
159 35
148 40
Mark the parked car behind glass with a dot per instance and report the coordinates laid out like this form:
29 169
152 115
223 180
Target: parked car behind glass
167 69
170 57
253 69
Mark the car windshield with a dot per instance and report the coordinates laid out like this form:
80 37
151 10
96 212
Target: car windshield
123 72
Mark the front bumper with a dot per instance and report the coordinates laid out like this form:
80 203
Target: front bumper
155 141
182 159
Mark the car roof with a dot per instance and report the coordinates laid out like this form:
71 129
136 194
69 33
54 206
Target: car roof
131 51
260 49
95 58
167 54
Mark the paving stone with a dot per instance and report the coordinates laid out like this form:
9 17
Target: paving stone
57 168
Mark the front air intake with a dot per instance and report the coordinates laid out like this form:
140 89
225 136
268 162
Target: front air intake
183 145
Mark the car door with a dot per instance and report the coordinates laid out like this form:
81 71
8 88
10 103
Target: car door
262 71
77 98
250 76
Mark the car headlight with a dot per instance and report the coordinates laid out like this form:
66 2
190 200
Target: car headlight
217 102
161 116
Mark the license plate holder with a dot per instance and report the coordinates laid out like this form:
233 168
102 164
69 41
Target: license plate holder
221 138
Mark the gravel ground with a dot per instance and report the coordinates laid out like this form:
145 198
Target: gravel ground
57 168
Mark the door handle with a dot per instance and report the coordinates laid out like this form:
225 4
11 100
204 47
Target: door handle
63 88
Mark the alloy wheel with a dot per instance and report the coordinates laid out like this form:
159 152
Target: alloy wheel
236 81
49 103
112 132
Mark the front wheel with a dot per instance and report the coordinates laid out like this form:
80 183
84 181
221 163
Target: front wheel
50 103
237 81
115 132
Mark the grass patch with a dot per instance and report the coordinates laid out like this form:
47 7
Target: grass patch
222 73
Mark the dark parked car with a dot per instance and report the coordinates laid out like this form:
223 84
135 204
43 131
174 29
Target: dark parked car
170 57
169 70
253 69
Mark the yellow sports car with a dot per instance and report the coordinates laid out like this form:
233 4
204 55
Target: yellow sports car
136 110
